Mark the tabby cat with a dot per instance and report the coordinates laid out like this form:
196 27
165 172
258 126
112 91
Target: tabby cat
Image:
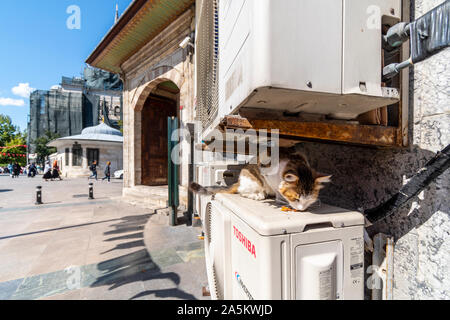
294 182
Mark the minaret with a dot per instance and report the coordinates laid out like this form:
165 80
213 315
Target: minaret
117 14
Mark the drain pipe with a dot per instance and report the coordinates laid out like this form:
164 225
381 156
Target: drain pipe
382 280
191 128
174 201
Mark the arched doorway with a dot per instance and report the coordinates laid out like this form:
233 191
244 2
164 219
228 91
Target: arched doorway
162 103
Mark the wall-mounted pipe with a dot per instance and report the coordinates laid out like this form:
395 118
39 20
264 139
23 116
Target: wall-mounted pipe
428 35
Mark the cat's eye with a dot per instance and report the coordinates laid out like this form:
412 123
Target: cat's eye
290 178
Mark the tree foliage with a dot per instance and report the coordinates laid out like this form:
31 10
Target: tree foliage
42 150
8 131
11 136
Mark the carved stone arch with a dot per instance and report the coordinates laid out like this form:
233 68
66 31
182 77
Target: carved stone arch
172 75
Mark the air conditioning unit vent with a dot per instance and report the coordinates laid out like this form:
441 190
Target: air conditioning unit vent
208 62
208 223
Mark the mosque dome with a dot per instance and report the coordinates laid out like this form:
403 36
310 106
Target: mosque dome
101 129
100 133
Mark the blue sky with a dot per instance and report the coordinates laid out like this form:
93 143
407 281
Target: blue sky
37 47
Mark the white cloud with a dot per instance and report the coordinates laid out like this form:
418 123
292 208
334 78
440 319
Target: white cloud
23 90
11 102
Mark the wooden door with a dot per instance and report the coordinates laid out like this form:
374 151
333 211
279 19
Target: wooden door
155 141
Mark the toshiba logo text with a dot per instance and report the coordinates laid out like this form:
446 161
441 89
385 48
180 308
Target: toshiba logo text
244 241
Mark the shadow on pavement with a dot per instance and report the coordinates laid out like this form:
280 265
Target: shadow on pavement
138 266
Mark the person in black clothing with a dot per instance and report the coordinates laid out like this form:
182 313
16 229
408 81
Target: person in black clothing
47 171
32 171
93 169
55 171
16 170
107 172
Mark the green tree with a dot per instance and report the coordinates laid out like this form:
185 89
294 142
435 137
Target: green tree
19 152
42 150
10 136
7 130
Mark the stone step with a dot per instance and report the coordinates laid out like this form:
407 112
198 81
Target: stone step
162 216
147 197
151 202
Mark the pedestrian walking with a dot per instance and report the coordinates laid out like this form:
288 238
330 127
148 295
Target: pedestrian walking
93 169
16 170
55 171
10 170
32 170
107 172
47 171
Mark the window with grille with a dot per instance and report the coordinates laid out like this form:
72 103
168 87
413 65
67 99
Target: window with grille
92 155
77 155
67 152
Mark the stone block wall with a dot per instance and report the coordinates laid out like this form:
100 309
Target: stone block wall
159 60
365 177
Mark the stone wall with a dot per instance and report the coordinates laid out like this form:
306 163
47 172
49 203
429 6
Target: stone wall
159 60
364 177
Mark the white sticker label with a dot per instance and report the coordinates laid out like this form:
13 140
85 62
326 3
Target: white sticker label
325 279
357 257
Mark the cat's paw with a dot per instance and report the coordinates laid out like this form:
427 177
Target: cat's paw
260 196
255 196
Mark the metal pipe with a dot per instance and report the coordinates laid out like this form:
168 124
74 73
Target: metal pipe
191 129
393 69
172 126
396 35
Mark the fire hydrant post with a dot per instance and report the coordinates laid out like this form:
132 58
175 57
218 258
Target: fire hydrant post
91 191
38 195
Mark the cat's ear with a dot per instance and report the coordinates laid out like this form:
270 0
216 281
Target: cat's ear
290 177
322 177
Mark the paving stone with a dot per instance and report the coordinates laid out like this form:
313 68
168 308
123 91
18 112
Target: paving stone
7 289
42 286
71 295
103 241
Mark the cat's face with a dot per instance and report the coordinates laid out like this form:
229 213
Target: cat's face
301 189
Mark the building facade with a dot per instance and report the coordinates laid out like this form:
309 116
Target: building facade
158 79
366 177
76 104
158 75
76 153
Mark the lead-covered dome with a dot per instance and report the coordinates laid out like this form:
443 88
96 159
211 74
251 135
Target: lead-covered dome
102 132
102 129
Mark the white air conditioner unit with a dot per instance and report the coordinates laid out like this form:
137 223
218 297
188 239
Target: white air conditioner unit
256 251
310 56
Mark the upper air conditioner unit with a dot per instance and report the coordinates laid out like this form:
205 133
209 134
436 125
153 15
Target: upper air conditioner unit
308 56
253 250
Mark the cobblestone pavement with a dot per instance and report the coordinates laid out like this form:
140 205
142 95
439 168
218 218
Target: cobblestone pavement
74 248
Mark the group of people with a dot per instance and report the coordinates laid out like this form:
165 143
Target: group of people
51 172
107 172
14 170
